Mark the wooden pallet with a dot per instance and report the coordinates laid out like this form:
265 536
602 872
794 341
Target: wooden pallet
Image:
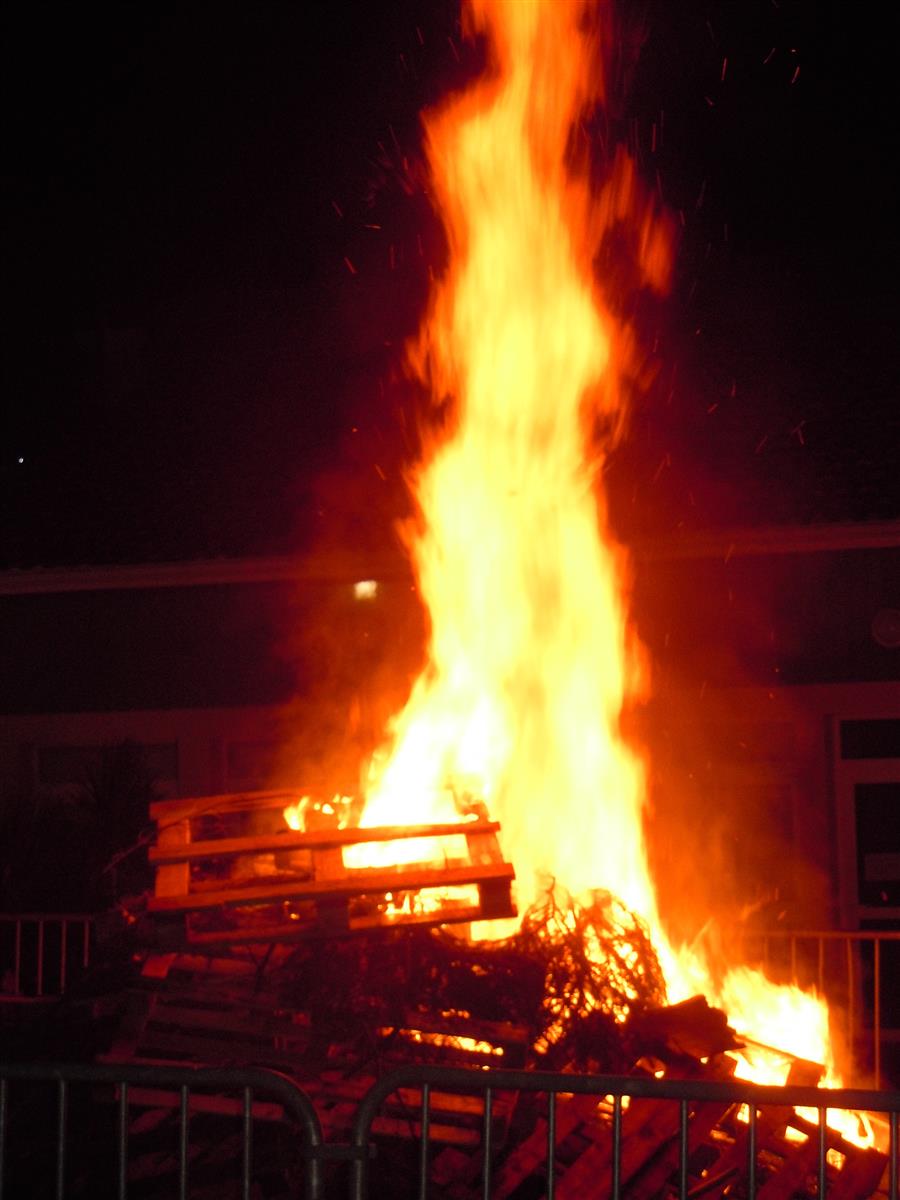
267 882
217 1011
199 1010
650 1142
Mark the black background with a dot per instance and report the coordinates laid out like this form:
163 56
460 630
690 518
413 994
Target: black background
201 330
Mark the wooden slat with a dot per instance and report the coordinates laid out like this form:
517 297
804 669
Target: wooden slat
791 1178
403 1127
355 883
500 1033
860 1175
292 931
197 806
246 1023
531 1154
146 1097
651 1182
174 880
289 839
483 844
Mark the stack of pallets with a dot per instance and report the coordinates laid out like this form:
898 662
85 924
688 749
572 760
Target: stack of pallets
232 871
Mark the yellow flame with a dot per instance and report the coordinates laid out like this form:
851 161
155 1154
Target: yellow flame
530 659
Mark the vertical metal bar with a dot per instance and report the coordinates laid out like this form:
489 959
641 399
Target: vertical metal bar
683 1151
3 1103
247 1159
17 977
876 1019
751 1153
423 1149
823 1125
617 1148
40 958
486 1144
551 1145
183 1144
851 998
86 943
61 1116
63 932
123 1140
894 1153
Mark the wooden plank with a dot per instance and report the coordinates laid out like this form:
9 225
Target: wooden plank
369 881
303 930
646 1126
198 1102
733 1159
531 1154
495 898
452 1104
190 1047
232 1019
213 969
860 1175
402 1127
703 1118
792 1176
198 806
290 839
156 966
500 1033
173 880
482 843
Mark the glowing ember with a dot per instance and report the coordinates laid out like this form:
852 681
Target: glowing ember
530 660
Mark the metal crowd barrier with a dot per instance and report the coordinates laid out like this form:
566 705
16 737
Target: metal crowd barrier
41 1106
51 1143
856 972
681 1092
40 953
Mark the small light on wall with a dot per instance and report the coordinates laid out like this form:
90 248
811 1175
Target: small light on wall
886 627
365 589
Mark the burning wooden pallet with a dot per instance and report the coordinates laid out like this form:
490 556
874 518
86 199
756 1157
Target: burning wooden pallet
233 869
190 1009
650 1149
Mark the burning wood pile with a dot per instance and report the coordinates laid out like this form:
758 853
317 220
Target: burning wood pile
337 999
331 952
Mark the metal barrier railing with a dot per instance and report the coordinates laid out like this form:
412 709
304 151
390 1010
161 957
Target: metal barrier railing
53 1143
40 952
680 1092
41 1110
855 971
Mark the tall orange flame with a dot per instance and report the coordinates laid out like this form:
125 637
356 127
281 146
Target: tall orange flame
530 661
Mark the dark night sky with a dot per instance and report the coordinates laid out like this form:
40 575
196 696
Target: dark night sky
186 354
